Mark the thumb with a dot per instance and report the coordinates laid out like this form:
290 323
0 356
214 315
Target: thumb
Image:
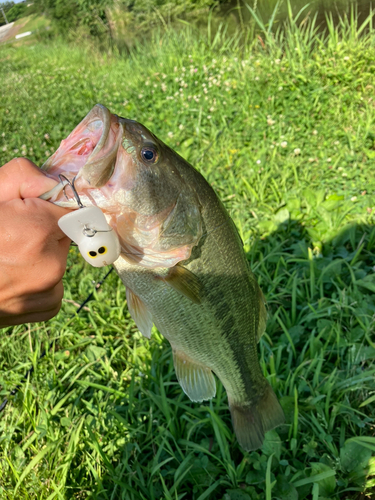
21 178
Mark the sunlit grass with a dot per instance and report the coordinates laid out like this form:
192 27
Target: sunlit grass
284 130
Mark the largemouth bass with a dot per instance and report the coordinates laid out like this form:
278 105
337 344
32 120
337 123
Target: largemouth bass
182 261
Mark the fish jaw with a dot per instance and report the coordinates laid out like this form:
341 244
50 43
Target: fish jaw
118 165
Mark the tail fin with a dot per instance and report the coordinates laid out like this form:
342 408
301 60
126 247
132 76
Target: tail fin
252 422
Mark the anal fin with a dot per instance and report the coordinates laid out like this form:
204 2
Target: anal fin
139 313
196 380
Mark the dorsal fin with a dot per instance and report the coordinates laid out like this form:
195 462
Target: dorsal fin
262 314
196 380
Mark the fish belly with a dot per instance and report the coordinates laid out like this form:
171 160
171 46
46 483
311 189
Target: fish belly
211 336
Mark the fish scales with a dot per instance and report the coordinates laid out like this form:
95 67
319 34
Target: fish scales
182 263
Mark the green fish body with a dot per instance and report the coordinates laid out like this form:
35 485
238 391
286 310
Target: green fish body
182 263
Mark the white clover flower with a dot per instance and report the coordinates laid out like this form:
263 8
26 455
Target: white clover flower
277 61
345 174
346 58
46 136
270 121
258 162
256 78
163 87
297 151
283 144
280 88
340 169
353 198
140 96
328 160
3 134
15 150
315 132
5 148
170 134
181 127
311 160
209 117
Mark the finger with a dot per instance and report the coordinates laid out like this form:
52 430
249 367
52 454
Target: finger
39 219
31 317
21 178
33 308
44 302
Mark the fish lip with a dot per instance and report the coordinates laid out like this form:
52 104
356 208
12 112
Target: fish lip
103 113
98 112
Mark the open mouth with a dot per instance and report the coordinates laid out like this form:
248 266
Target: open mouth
87 155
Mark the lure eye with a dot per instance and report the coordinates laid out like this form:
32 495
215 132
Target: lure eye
101 251
149 155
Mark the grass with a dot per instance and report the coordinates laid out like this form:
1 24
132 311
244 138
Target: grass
33 22
283 128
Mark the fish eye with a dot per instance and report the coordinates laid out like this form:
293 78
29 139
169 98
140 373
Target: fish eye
149 154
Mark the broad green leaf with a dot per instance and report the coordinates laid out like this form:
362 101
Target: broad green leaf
354 455
327 485
272 444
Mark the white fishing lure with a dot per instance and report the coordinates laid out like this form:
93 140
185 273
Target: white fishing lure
96 240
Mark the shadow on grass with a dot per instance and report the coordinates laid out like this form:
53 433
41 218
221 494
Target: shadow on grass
318 354
140 437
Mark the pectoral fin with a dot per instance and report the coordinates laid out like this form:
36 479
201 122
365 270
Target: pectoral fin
139 313
197 381
185 282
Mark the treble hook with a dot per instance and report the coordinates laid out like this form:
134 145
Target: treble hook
63 178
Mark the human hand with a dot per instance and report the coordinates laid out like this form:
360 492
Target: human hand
33 249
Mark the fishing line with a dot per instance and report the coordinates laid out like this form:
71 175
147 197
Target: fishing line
44 352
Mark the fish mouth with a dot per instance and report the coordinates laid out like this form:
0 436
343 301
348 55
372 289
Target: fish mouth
86 158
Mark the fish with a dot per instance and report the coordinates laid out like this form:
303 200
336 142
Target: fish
182 261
